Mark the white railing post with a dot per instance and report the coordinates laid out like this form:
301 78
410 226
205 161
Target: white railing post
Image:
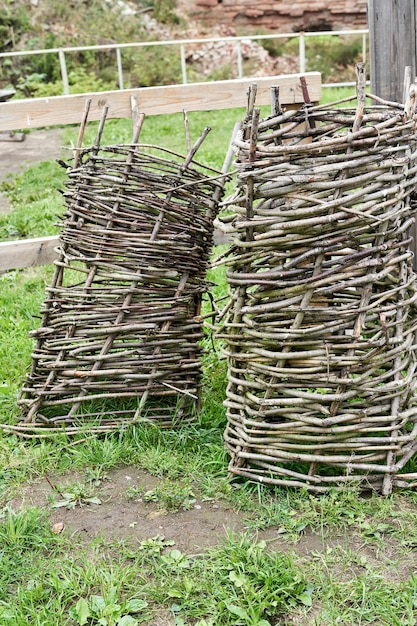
183 65
239 59
364 47
64 73
302 52
119 68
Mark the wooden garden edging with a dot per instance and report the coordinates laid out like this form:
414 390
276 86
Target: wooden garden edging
62 110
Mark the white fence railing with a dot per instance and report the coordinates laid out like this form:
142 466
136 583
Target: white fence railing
181 45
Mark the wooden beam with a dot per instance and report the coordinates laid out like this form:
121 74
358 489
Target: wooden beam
27 252
57 110
392 37
61 110
23 253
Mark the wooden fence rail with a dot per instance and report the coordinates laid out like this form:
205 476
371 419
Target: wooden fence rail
62 110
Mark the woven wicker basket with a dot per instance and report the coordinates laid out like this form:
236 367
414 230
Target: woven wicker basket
120 334
320 327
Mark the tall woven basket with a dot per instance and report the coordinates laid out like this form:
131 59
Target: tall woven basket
320 326
120 336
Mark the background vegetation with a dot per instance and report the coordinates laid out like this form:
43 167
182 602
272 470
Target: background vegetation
333 56
51 24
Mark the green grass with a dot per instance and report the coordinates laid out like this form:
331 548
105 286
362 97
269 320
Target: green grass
47 579
338 559
35 202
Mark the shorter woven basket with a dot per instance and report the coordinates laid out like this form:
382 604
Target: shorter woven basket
120 337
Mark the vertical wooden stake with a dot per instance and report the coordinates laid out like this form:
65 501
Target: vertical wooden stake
81 133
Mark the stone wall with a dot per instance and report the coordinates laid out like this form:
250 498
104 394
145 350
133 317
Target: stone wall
294 16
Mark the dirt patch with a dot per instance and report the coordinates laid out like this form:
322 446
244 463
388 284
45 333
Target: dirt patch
120 516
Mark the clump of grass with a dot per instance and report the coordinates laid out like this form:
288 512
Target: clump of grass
366 598
36 203
243 583
44 577
171 495
22 530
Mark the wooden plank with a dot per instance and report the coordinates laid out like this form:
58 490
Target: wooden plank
42 251
392 37
41 112
393 47
27 252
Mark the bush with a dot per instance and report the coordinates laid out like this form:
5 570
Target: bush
329 54
156 65
79 80
14 21
163 11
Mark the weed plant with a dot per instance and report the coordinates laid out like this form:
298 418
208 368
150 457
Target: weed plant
340 558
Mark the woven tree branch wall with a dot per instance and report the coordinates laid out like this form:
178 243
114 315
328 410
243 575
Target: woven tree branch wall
121 328
320 327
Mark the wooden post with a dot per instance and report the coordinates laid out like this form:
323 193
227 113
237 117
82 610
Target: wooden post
392 48
392 37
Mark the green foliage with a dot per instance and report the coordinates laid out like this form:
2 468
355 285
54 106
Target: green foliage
164 11
244 584
220 72
153 65
275 47
74 495
92 23
368 599
14 22
332 55
155 545
333 94
107 611
41 579
15 324
23 530
80 80
171 495
45 580
35 200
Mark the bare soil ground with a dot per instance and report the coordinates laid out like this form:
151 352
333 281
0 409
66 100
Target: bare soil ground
120 516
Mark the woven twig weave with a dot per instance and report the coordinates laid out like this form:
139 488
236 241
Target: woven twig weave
120 337
320 327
